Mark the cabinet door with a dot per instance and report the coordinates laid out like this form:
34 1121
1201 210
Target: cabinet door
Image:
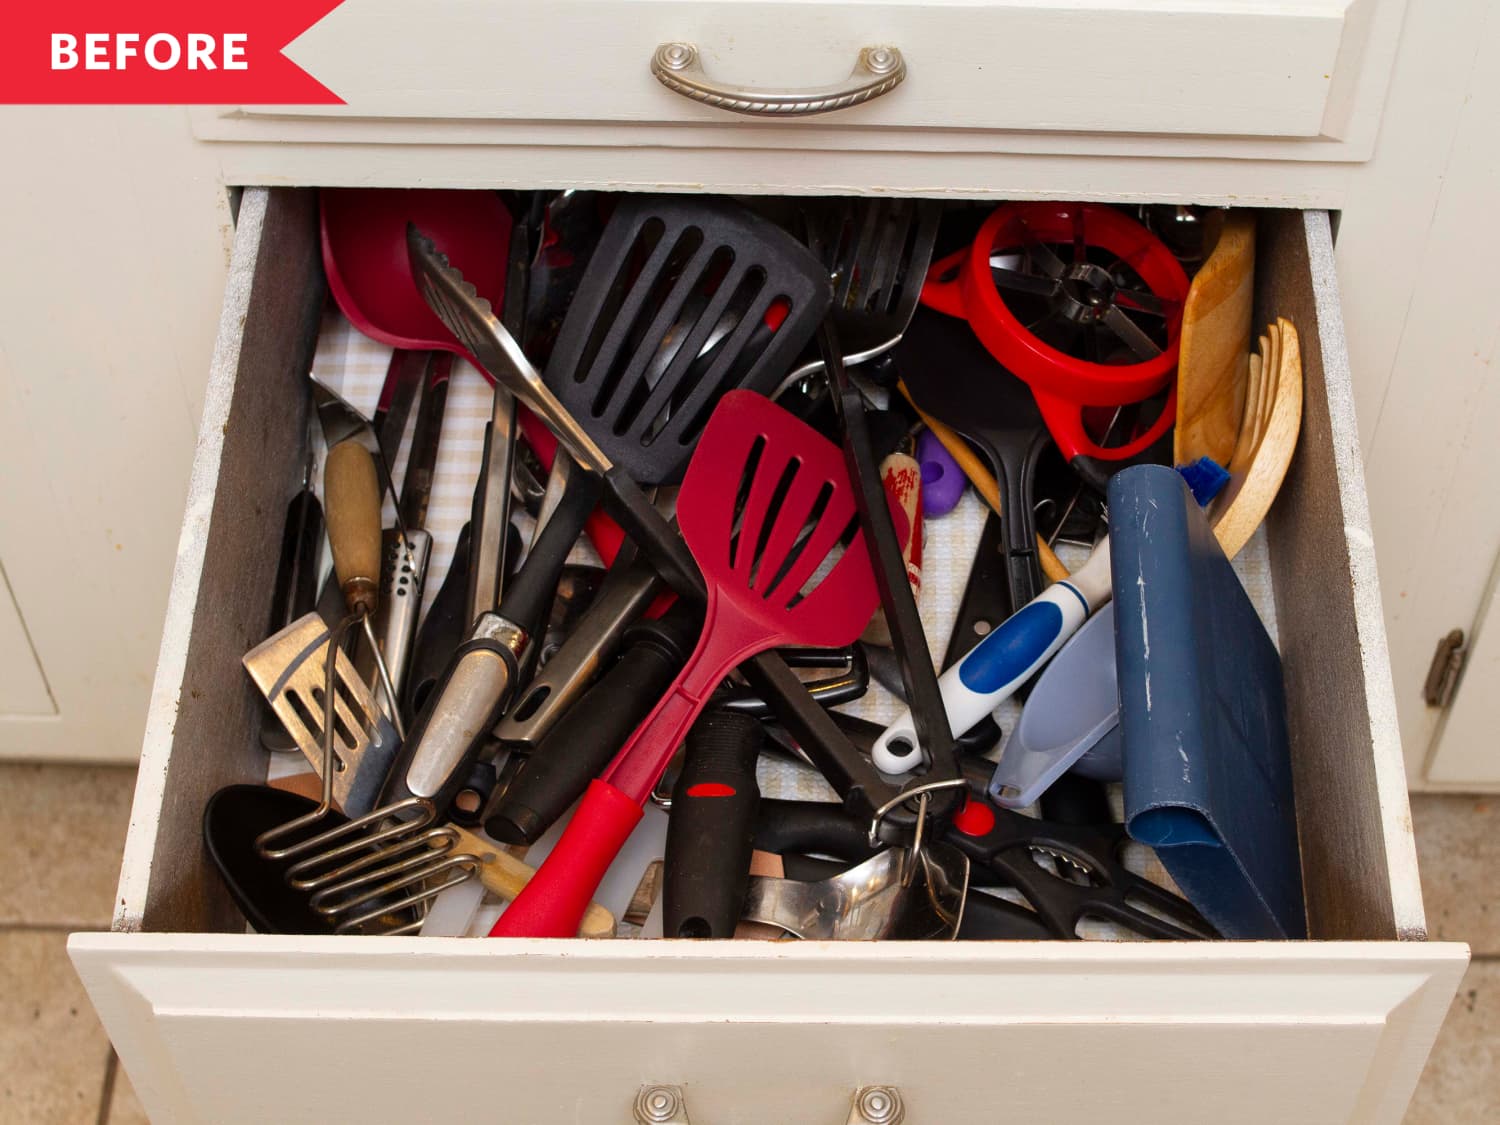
1424 344
115 229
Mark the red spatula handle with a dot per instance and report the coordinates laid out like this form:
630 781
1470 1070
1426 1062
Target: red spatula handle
553 902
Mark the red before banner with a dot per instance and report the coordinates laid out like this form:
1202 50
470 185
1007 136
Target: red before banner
170 52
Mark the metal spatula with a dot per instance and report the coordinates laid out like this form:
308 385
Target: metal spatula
876 252
768 512
290 669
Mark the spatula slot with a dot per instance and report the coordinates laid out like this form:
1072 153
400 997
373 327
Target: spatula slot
830 561
673 352
623 365
641 250
778 498
343 736
734 323
742 497
820 505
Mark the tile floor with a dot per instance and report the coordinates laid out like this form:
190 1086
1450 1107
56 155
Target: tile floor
56 1066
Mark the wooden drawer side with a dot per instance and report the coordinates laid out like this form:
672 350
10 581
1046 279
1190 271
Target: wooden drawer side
250 449
1358 852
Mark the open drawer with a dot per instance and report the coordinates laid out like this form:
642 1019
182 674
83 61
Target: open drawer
214 1024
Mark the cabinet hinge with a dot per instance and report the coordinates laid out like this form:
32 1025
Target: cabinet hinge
1447 666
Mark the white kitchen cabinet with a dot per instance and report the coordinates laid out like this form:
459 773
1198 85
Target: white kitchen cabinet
213 1024
1415 244
116 231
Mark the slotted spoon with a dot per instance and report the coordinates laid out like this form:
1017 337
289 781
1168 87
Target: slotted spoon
764 506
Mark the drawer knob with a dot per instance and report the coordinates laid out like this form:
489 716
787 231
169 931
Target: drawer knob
661 1105
878 70
877 1105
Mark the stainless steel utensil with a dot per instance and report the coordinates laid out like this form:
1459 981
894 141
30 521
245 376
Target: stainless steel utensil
406 548
290 670
873 900
626 593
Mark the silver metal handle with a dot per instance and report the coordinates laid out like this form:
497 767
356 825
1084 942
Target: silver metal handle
878 70
404 561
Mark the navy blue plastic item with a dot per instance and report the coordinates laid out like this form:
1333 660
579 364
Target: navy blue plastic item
1208 779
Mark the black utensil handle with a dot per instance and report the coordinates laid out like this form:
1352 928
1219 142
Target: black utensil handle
709 834
443 744
442 631
788 827
296 590
1077 800
851 773
588 735
528 601
295 593
897 600
656 538
987 918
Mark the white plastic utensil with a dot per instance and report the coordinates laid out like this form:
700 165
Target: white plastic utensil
1071 719
1003 660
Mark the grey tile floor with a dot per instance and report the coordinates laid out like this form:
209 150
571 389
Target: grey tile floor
67 826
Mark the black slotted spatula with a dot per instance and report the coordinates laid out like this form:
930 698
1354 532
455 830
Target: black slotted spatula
684 298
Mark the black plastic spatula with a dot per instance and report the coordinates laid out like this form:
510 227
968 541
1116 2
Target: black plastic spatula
685 298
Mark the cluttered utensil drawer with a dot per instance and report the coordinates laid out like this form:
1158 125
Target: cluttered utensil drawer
214 1024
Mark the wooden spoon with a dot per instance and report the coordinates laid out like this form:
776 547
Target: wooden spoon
1253 483
1213 365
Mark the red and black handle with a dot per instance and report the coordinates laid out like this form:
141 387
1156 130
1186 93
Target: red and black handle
709 836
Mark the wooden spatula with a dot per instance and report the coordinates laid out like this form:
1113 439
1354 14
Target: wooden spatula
1214 357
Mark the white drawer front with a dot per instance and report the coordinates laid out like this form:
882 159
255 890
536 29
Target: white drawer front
1252 68
233 1029
566 89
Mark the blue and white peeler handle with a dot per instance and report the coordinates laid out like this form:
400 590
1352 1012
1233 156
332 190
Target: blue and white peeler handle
1004 660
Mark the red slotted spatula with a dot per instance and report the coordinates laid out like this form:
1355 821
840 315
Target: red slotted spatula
765 504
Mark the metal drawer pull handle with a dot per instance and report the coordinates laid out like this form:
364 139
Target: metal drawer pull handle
877 71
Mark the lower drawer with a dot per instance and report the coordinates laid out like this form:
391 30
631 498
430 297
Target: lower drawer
217 1025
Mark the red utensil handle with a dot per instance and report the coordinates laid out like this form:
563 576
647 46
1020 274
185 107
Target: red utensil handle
1064 418
727 640
553 902
944 288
